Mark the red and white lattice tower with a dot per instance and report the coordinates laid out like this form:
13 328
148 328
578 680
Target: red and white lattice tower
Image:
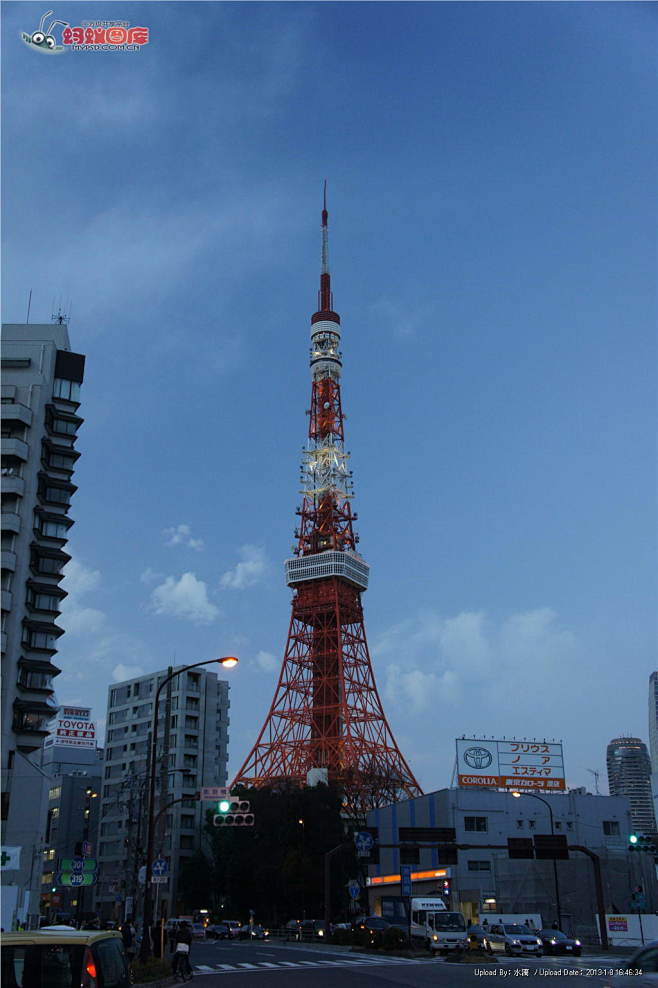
326 712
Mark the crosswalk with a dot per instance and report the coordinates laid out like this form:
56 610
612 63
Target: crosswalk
347 962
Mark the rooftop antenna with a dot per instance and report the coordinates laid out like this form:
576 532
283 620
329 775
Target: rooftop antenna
59 316
29 303
595 772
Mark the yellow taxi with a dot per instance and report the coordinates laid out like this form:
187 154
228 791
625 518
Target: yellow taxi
62 957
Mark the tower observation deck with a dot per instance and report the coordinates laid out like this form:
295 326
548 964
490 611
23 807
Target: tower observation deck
326 713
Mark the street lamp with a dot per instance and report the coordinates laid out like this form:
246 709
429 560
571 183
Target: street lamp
228 662
517 795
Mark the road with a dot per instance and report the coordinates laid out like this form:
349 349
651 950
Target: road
223 964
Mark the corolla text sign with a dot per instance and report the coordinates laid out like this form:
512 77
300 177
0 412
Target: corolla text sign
510 764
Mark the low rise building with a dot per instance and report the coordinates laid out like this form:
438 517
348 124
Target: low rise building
483 881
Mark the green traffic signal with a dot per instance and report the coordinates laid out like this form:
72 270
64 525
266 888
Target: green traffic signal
632 839
223 806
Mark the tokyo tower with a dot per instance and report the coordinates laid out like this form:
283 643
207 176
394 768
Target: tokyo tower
326 713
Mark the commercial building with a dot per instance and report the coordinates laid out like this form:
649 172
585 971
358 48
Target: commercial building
192 752
629 774
41 381
74 767
653 739
482 881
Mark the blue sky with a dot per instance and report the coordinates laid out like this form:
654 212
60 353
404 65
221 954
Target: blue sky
491 173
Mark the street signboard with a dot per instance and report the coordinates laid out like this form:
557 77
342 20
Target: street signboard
159 879
549 847
364 842
405 880
159 868
510 764
76 878
78 864
211 793
87 849
73 728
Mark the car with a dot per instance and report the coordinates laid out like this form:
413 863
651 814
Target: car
234 927
313 929
478 937
376 927
515 939
198 931
63 956
644 960
217 931
292 929
557 942
255 932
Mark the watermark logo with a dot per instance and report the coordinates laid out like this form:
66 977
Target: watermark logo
88 36
43 38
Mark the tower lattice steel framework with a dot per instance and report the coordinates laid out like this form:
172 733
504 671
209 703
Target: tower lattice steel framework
326 712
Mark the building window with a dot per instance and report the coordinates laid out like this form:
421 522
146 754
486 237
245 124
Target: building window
52 529
532 824
68 390
189 761
186 842
40 639
42 601
569 825
48 564
558 825
54 793
476 824
59 462
611 828
479 865
64 426
57 495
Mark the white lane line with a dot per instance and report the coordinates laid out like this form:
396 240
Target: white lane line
289 964
267 964
203 967
244 964
227 967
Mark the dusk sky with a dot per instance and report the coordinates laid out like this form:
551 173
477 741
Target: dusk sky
491 171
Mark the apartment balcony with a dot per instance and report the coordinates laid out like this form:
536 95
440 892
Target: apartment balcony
7 599
3 642
15 411
12 484
8 560
15 447
11 522
30 723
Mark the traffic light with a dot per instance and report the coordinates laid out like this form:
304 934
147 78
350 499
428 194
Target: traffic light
233 813
642 842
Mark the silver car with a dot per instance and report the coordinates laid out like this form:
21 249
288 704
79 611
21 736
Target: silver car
512 938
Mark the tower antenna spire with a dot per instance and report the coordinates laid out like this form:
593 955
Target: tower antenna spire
325 297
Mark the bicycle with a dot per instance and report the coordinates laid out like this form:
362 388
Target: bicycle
181 966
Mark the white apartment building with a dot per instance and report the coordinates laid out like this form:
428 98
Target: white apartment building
191 751
41 381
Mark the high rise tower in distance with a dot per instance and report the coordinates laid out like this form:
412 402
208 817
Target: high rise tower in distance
326 713
629 774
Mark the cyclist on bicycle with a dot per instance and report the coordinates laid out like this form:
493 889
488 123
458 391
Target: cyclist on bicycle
181 962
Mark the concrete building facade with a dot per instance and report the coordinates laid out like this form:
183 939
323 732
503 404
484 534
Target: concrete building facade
629 774
41 381
485 882
192 752
653 739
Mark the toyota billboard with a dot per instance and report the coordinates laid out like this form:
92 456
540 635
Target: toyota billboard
510 764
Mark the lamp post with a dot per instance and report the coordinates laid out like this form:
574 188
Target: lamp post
89 795
228 662
517 795
303 869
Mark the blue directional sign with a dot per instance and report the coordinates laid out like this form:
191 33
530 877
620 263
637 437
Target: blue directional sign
364 842
160 867
405 879
354 889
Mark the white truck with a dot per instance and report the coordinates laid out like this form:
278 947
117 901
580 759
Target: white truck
441 929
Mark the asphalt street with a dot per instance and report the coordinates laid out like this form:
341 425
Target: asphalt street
222 964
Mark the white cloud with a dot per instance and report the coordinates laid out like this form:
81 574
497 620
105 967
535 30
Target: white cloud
253 564
182 535
77 619
267 661
184 598
121 672
434 662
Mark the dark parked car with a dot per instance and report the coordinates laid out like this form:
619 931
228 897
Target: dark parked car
254 932
292 929
313 929
376 926
218 931
556 942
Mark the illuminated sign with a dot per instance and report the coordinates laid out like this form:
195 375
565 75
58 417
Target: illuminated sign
510 764
416 876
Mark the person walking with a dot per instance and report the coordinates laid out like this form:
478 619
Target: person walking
128 935
181 963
